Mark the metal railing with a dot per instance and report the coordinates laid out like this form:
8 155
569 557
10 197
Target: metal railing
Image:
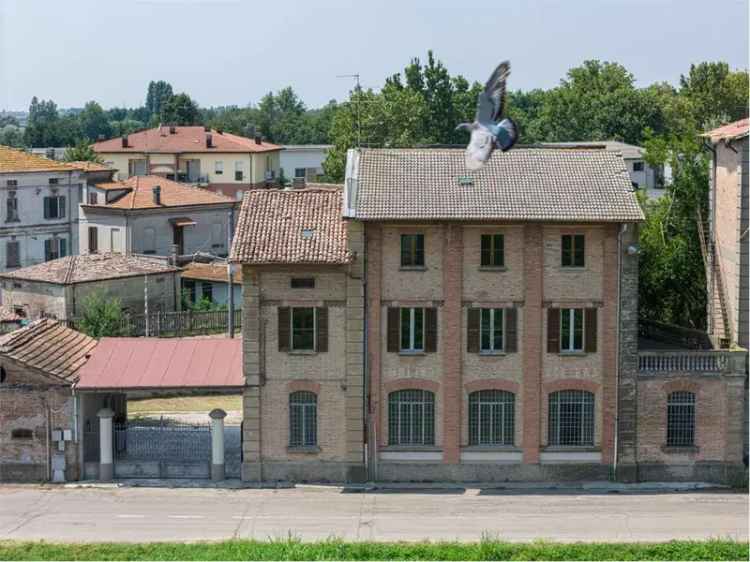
162 439
706 362
174 324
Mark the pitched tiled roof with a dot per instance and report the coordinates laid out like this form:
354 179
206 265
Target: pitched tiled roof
303 226
90 267
140 194
210 272
730 131
50 347
628 151
88 166
184 139
523 184
15 160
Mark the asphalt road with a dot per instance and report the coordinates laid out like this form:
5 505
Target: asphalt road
163 514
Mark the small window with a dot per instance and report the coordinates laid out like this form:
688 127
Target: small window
3 375
13 253
219 167
493 250
115 241
492 329
207 291
571 418
55 248
491 417
12 183
188 290
412 329
12 208
303 419
637 166
681 419
93 198
53 181
149 240
412 250
137 167
22 434
303 282
54 207
571 329
299 172
239 170
93 240
303 328
573 250
411 417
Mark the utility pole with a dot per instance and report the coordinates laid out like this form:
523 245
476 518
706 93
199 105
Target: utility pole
358 100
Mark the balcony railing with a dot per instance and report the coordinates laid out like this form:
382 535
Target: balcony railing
707 362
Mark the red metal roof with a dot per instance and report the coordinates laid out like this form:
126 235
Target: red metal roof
133 363
729 131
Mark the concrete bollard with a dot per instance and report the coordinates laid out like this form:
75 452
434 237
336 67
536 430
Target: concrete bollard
217 443
106 468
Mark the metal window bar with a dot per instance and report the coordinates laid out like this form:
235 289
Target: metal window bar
303 419
491 417
411 417
681 419
571 418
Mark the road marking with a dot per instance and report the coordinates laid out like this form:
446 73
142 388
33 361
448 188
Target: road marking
131 516
186 516
243 517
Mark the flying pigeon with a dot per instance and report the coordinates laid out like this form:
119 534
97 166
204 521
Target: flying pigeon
488 131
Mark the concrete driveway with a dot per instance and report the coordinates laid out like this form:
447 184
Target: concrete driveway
162 514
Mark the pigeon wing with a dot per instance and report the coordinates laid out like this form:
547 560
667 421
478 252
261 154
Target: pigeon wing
491 100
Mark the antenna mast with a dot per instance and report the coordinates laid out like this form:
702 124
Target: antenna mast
357 102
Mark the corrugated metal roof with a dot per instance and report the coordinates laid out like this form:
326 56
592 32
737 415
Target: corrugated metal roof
133 363
729 131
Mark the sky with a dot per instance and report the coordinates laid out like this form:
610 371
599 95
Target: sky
232 52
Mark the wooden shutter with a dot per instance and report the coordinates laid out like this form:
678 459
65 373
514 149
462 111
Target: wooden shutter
511 334
553 330
93 240
472 331
13 257
47 206
47 250
393 331
61 207
321 325
284 328
430 340
590 330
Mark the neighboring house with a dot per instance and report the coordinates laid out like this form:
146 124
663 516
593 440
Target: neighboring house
38 208
154 215
9 319
223 162
209 281
303 161
645 177
59 287
53 153
492 335
38 367
728 238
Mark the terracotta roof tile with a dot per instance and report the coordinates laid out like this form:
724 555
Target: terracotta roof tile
49 346
729 131
90 267
184 139
210 272
524 184
173 194
15 160
302 226
88 166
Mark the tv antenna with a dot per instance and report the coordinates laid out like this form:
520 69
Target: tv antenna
357 102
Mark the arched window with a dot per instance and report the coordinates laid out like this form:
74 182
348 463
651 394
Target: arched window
303 419
681 419
491 417
571 418
411 417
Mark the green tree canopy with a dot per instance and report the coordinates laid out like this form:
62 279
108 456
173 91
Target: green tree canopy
157 96
94 122
82 152
180 110
102 316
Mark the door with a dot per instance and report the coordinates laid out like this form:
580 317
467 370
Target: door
179 240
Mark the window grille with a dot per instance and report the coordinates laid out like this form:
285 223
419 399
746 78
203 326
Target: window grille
681 419
412 329
491 417
303 419
412 250
571 418
573 250
411 417
493 250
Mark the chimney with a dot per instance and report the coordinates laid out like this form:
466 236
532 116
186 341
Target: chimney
172 129
220 131
209 140
156 191
258 139
299 183
125 141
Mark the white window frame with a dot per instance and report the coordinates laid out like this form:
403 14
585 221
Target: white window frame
571 313
491 312
219 167
412 329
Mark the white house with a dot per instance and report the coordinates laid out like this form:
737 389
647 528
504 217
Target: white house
209 281
38 208
303 160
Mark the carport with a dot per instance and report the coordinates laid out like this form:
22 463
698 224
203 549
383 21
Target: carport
122 368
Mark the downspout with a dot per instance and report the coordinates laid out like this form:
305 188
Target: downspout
46 433
365 374
623 228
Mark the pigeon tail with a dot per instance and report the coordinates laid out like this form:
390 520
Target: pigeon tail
506 134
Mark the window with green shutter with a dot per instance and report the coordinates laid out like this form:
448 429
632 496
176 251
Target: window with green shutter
493 250
573 247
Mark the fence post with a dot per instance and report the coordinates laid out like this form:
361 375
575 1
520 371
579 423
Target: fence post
106 468
217 443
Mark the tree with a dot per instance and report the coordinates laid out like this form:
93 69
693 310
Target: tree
10 135
717 94
94 123
159 93
180 110
8 120
82 152
102 316
42 125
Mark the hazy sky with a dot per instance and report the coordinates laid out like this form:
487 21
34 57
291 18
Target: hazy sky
233 51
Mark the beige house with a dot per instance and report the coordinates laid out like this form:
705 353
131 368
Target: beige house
222 162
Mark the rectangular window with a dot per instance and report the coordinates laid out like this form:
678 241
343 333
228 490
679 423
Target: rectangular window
12 183
412 329
492 329
93 240
299 172
115 243
207 291
238 170
571 418
12 253
219 167
573 250
681 419
303 328
55 248
412 250
137 167
53 181
493 250
12 208
637 166
188 290
93 198
303 419
571 329
303 282
54 207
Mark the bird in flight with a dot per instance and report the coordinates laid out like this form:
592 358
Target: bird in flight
489 130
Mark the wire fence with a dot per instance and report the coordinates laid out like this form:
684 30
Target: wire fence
173 324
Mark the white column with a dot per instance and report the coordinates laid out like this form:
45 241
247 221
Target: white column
106 471
217 443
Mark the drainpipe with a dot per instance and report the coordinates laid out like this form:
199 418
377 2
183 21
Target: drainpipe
623 228
365 375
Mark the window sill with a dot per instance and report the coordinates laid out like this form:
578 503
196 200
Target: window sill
493 268
571 449
412 353
492 353
411 449
492 448
308 450
572 268
573 354
412 268
302 352
680 449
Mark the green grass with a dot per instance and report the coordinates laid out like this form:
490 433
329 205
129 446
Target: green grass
292 549
184 404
